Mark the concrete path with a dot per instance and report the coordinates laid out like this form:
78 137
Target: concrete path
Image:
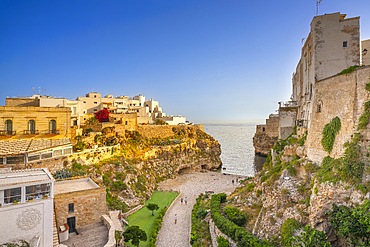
190 186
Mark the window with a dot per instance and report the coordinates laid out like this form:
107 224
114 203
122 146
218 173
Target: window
95 103
94 96
37 191
31 127
319 106
52 127
8 127
126 122
84 102
345 43
95 109
12 195
263 129
71 208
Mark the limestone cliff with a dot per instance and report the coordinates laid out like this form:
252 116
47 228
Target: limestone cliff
291 187
132 170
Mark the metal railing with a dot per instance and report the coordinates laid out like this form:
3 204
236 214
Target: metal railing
31 132
8 132
301 123
52 132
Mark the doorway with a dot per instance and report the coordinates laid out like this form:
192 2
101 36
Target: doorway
71 221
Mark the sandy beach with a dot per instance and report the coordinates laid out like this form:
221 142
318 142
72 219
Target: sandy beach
189 186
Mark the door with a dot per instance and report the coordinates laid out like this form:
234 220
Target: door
52 127
71 221
32 127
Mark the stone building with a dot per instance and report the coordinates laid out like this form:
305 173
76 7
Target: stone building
47 101
79 203
32 121
287 118
365 52
266 135
26 212
332 45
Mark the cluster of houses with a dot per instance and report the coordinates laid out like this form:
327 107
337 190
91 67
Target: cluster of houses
38 132
323 86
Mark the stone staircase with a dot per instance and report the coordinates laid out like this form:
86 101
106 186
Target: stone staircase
55 232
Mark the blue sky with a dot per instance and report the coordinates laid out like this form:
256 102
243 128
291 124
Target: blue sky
210 60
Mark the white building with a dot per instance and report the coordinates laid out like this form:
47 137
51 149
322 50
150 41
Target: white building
174 120
26 212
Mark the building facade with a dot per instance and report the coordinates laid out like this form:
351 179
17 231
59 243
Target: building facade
22 122
332 45
79 203
26 212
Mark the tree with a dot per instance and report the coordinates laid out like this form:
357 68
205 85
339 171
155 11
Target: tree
152 207
135 234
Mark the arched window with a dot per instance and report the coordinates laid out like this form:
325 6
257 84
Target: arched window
53 127
8 127
32 127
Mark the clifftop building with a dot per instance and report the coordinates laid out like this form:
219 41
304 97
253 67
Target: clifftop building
332 45
319 91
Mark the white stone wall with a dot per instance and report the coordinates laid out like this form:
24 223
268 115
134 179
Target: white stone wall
25 221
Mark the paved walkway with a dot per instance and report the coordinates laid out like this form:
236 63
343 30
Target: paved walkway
95 235
190 186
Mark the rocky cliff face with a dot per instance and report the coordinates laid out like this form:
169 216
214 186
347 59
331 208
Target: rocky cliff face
263 143
292 187
132 171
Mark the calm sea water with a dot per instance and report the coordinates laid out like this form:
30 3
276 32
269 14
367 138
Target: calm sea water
237 147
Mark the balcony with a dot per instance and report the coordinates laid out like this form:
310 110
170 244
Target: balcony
7 132
301 123
52 132
288 104
30 132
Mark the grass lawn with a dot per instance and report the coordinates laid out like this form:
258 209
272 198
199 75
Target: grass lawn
143 217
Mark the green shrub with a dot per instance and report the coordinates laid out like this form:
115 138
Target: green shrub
329 133
157 226
235 215
349 70
222 242
287 230
311 237
352 224
235 232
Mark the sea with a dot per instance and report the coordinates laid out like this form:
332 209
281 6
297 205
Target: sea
237 151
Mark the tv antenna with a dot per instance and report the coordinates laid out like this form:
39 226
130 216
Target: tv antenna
318 2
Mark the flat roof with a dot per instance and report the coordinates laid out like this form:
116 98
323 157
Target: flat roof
18 177
74 185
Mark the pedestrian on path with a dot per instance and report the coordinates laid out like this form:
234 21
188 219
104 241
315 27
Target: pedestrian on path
186 200
175 218
182 199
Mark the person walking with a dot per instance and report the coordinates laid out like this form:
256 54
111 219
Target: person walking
182 199
186 200
175 218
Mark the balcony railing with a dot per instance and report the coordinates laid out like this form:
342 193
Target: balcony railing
31 132
52 132
8 132
301 123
